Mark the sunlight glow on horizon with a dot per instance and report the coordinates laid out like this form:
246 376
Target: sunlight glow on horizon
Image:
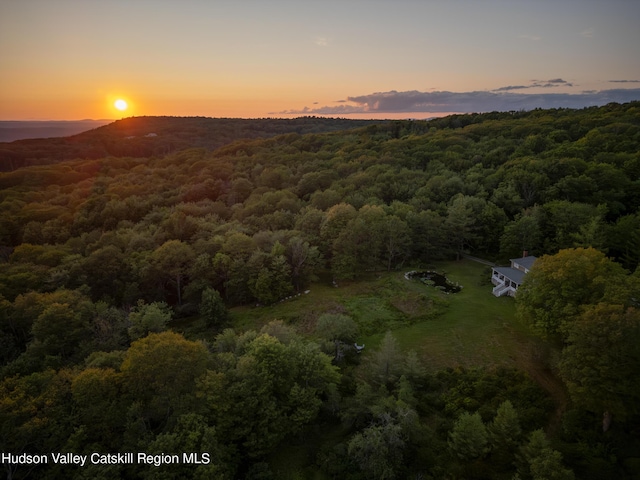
265 59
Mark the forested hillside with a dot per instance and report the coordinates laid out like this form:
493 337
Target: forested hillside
149 136
125 272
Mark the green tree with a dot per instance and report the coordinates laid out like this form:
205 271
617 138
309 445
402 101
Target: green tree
504 433
523 234
304 260
491 222
385 365
623 240
109 326
212 308
339 329
333 223
59 331
171 262
28 307
601 362
396 240
337 326
283 332
273 281
469 438
565 223
191 435
428 235
308 222
538 461
358 247
148 318
378 451
106 271
275 391
461 223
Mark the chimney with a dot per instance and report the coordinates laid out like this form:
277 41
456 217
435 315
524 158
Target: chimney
525 253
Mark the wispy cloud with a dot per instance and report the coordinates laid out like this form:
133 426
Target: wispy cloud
624 81
511 87
322 41
533 38
478 101
555 82
588 33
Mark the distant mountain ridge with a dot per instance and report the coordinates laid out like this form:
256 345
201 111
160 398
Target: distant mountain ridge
150 136
11 130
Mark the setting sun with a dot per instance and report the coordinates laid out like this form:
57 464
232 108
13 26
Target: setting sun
120 105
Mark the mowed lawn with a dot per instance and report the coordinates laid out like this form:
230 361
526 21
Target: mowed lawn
475 329
469 328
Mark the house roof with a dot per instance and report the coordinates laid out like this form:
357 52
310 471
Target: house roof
511 273
526 262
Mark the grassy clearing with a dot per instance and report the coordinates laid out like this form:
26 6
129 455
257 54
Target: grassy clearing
476 328
468 328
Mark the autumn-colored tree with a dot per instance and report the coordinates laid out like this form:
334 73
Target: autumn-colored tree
159 373
97 396
558 286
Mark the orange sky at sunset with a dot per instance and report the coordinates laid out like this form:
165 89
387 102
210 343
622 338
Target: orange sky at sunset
71 59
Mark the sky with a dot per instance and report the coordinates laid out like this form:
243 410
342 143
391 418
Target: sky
72 59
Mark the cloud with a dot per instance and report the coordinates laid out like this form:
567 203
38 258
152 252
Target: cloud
555 82
558 80
322 41
511 87
624 81
478 101
533 38
588 33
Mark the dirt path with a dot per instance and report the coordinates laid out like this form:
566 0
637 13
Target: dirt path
530 358
479 260
554 386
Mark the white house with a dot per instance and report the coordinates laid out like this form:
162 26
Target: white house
508 279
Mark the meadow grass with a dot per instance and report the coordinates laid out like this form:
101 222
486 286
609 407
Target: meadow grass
475 328
469 328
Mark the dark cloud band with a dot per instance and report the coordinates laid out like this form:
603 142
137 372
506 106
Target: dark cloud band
481 101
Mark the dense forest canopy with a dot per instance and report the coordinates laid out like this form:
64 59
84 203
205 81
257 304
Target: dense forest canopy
148 136
108 242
